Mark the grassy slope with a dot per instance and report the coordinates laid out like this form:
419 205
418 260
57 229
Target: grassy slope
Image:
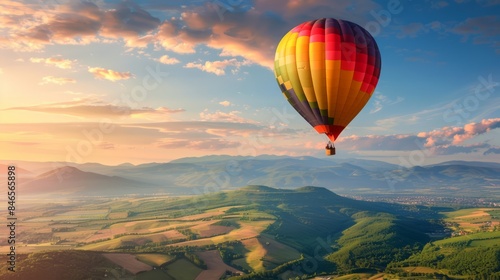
183 269
464 255
374 241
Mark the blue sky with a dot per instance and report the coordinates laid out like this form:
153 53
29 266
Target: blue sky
143 81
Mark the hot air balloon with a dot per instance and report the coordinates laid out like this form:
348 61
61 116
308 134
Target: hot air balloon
327 69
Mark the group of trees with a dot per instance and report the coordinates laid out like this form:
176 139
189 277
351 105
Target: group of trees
458 258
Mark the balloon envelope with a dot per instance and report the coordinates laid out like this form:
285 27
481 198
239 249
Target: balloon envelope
327 69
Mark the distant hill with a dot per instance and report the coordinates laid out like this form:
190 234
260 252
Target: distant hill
345 176
72 181
20 171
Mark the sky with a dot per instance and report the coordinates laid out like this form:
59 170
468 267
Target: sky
151 81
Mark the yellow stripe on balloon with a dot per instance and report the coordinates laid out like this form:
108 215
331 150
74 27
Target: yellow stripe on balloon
318 68
291 66
304 69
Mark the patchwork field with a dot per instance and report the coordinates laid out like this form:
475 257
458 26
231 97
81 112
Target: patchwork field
141 225
475 219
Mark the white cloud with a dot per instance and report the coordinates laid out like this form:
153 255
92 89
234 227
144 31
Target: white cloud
165 59
55 61
92 107
225 103
443 141
218 67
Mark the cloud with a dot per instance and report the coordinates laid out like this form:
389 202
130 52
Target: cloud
485 25
55 61
247 29
411 30
494 150
400 142
458 135
78 22
484 3
454 149
447 140
439 4
232 116
107 74
218 67
129 140
482 30
106 146
56 80
382 100
225 103
410 119
251 31
128 19
95 108
165 59
204 144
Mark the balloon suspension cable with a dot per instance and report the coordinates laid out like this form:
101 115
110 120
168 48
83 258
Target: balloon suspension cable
330 145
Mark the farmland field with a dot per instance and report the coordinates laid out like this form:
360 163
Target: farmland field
116 226
475 219
129 262
182 269
215 266
154 259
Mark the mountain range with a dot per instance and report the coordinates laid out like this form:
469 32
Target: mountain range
214 173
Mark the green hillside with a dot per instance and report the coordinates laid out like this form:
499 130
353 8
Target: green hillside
472 254
76 265
376 240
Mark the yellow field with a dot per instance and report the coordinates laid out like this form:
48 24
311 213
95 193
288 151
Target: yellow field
208 229
472 220
277 253
420 269
255 255
248 229
207 214
118 215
